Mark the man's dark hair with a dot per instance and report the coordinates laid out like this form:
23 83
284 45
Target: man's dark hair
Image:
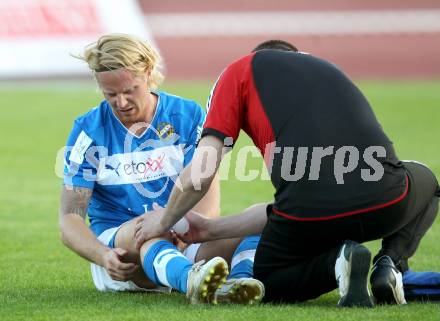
276 45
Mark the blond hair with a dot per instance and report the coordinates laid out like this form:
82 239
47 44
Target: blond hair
114 51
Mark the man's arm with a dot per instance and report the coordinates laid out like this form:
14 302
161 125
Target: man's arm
195 180
77 236
249 222
193 183
209 205
75 233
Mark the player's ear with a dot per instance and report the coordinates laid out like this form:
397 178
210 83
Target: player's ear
148 73
147 76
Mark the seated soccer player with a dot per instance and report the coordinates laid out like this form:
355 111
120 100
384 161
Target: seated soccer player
123 156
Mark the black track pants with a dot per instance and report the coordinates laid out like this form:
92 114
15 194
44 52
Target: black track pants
295 259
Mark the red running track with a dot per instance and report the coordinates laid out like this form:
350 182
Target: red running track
373 56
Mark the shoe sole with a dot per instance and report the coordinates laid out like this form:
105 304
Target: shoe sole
247 292
357 294
213 278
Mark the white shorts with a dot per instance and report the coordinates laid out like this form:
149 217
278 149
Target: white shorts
103 282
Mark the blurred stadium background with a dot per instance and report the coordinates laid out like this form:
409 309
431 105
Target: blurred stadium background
390 48
368 39
197 38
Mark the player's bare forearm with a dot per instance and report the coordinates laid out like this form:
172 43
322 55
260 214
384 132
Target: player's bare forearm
75 233
181 202
249 222
194 181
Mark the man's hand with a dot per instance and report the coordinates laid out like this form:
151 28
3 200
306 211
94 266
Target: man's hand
198 228
149 226
115 266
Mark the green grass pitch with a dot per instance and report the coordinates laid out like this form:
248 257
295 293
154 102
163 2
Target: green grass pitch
42 280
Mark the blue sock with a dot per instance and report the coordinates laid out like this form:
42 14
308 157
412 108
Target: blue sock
165 265
242 265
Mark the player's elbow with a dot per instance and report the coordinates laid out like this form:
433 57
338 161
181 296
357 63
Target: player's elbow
64 239
62 230
65 228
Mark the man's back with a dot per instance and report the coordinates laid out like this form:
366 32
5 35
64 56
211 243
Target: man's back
330 150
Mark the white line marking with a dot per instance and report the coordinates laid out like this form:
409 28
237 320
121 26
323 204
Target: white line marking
294 23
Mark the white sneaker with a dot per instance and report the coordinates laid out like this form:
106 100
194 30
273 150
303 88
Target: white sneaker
351 272
240 291
204 279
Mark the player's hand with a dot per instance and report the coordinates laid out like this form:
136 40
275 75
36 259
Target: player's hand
198 229
149 226
116 267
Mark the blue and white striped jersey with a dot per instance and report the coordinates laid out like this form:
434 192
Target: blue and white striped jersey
129 173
